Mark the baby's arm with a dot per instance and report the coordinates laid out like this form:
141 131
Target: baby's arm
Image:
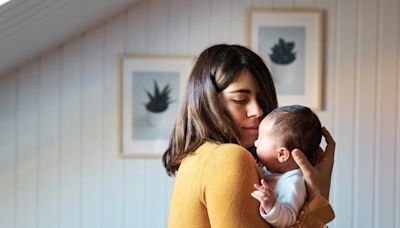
283 212
281 215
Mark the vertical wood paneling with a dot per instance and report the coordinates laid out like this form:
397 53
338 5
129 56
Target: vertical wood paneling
133 170
263 3
305 3
344 111
238 19
92 124
397 154
70 136
199 37
58 116
48 163
178 27
158 33
8 104
329 73
112 212
387 82
136 29
168 192
283 3
329 9
27 147
220 17
135 204
170 181
365 112
133 176
155 186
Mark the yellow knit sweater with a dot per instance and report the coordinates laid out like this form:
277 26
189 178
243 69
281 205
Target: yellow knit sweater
213 186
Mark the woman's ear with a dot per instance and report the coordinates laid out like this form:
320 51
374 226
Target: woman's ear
283 154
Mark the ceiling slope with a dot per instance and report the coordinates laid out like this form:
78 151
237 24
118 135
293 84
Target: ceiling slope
31 27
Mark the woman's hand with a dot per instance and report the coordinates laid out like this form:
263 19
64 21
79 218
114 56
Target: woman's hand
318 178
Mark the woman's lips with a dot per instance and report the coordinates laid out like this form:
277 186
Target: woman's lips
254 127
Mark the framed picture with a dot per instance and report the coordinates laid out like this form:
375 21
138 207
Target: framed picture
151 90
290 42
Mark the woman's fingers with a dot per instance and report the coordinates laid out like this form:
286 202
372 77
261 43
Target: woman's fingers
302 162
329 153
325 166
318 178
310 174
330 147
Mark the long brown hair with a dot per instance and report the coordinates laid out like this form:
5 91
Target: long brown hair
202 117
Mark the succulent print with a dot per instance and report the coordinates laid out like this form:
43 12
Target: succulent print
159 101
282 52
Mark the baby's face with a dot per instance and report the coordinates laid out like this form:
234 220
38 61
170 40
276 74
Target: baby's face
267 144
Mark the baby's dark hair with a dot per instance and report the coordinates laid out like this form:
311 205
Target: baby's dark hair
298 127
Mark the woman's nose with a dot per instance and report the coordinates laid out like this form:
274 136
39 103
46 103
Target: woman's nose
254 110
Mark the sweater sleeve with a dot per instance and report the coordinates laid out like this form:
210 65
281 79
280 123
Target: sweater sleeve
315 213
228 182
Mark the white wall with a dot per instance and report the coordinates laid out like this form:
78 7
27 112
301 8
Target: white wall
58 141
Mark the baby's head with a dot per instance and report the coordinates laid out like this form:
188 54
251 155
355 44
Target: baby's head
283 130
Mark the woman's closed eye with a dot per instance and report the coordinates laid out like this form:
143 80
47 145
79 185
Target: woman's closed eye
240 101
240 98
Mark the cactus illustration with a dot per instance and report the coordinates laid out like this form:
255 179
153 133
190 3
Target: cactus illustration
159 101
282 52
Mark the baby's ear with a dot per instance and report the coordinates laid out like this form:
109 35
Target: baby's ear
283 154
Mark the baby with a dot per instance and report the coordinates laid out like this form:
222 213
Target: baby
281 131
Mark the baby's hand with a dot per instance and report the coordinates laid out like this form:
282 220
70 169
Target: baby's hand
265 195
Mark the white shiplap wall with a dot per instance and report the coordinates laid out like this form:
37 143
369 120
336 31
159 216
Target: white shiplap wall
58 115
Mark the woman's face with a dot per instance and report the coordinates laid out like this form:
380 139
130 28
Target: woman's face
240 101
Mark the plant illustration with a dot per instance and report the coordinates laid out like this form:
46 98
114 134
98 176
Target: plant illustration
282 52
159 101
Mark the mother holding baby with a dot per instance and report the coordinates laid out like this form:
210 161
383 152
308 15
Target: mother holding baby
229 91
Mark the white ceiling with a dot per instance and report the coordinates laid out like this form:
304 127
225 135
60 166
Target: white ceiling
31 27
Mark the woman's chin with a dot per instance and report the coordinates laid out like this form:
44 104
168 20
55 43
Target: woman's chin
249 142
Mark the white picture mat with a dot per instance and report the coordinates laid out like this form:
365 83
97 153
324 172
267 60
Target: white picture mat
154 147
311 21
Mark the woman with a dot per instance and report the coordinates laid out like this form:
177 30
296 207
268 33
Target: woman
229 91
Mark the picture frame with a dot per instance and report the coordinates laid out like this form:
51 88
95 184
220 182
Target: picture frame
150 92
291 44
